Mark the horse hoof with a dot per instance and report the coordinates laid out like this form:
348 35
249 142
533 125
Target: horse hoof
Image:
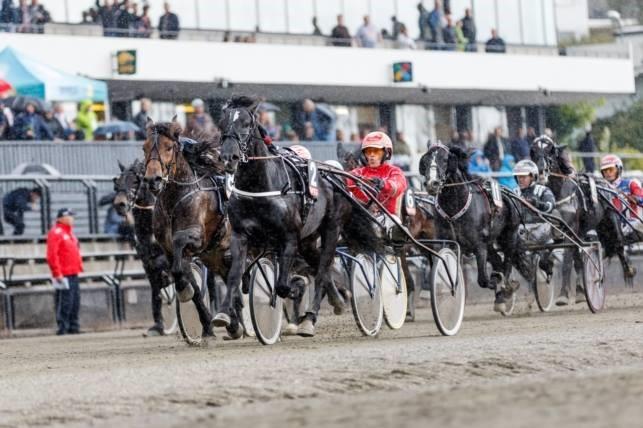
290 330
207 332
186 294
221 320
283 291
409 318
500 307
306 328
562 301
234 335
154 331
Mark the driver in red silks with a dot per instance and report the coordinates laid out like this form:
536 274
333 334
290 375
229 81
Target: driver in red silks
388 180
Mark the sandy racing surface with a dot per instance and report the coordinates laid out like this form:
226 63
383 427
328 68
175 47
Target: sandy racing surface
566 368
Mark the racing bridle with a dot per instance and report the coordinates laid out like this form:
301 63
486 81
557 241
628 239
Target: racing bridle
167 169
242 139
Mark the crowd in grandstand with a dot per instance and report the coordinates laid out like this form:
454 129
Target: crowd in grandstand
26 17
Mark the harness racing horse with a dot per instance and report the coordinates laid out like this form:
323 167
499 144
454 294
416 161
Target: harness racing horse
269 210
574 202
189 215
465 214
133 195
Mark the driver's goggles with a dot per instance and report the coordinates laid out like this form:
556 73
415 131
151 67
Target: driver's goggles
373 151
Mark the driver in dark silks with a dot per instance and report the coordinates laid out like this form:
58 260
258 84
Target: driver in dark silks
388 180
533 231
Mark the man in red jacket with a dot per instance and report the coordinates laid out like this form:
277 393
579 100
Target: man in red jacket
388 180
65 263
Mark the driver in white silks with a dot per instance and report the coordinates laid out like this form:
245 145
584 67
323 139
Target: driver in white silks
533 230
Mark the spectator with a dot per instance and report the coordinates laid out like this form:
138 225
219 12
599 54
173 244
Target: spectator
23 17
368 35
4 123
54 126
65 263
423 21
402 154
29 125
508 163
169 24
16 202
469 30
461 42
531 135
495 149
339 135
396 26
495 44
458 140
9 120
403 39
107 16
520 146
448 35
200 120
125 20
316 30
59 115
320 117
264 120
355 138
340 34
7 15
39 16
587 145
86 120
290 134
478 164
435 24
141 117
116 224
309 132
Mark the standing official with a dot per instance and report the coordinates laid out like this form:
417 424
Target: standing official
65 263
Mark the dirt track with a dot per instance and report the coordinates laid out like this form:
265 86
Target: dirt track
558 369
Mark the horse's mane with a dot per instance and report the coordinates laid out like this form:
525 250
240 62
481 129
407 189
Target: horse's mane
242 101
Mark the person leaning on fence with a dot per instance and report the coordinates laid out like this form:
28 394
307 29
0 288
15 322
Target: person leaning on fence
65 263
16 202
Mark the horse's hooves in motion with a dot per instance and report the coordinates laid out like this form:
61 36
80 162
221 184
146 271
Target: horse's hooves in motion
306 328
234 334
221 320
500 304
336 300
290 330
186 294
208 332
563 300
155 330
283 291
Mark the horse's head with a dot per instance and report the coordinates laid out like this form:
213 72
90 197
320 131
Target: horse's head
240 130
546 155
439 163
347 158
127 186
161 148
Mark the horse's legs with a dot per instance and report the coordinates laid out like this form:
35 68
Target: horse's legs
286 259
228 315
481 261
202 308
180 263
566 288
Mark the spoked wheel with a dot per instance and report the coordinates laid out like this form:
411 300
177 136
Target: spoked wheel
367 296
447 304
543 290
394 293
510 306
593 278
188 317
168 310
266 308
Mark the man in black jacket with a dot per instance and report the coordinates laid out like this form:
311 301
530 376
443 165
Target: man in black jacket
15 203
495 44
587 145
340 34
169 24
141 117
469 31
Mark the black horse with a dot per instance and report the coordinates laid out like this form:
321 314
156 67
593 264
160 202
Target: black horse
189 215
467 215
133 195
271 209
579 211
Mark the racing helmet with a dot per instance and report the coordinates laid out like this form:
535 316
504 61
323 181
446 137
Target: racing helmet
526 167
301 151
609 161
378 140
544 139
335 164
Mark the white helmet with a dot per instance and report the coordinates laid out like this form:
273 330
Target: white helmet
378 140
301 151
526 167
335 164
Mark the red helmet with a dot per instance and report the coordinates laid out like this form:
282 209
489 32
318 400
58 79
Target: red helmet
610 161
379 140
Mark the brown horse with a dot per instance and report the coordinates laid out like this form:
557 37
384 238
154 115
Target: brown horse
189 216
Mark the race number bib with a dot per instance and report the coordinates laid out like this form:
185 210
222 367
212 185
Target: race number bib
409 202
313 179
229 185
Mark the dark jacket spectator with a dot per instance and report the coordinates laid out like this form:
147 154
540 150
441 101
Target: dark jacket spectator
495 44
423 20
531 135
54 125
39 16
200 120
321 119
340 34
395 27
436 25
107 16
7 14
448 35
316 30
30 126
141 117
65 263
14 205
169 24
125 20
587 145
144 24
495 149
469 30
520 146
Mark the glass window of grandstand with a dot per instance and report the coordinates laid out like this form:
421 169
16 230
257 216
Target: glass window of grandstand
243 15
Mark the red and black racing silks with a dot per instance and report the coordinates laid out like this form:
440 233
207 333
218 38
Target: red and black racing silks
394 184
